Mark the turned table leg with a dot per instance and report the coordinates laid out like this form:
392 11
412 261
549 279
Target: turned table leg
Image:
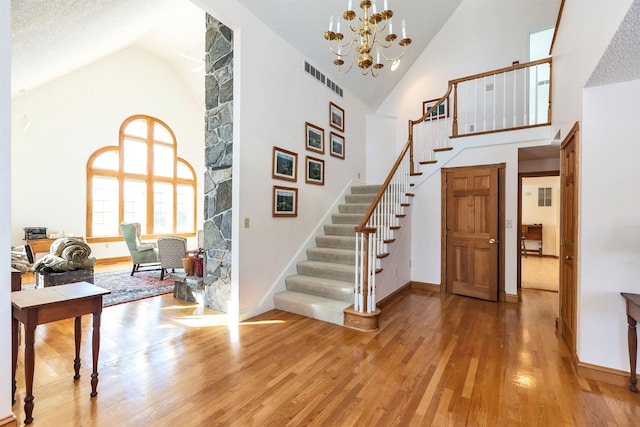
78 337
15 325
29 359
632 339
97 311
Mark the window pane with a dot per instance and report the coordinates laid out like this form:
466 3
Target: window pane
162 208
160 133
183 171
104 206
107 161
135 157
137 128
184 209
135 202
163 160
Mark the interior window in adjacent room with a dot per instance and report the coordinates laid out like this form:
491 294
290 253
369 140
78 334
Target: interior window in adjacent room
143 180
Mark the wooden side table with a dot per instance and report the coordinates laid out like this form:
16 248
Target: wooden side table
633 314
44 305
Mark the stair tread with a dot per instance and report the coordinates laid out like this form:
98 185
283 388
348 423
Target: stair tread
341 251
322 281
323 264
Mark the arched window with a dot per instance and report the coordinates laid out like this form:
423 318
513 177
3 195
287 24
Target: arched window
141 180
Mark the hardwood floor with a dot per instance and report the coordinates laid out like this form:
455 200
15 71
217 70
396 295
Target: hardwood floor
437 360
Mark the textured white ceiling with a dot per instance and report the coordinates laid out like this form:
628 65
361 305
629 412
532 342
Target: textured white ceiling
621 60
53 37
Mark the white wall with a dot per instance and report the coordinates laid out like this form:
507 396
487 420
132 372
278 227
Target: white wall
274 98
480 36
609 247
548 216
73 116
5 209
381 150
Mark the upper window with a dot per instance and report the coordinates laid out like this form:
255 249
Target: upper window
141 180
544 196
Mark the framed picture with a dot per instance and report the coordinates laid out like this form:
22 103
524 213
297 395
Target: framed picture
336 117
285 165
315 171
439 113
285 201
337 145
315 137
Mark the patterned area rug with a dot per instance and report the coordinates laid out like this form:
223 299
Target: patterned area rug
127 288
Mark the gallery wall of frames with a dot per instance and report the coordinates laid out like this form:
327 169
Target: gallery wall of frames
285 162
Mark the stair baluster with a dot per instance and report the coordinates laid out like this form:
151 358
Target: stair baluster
376 230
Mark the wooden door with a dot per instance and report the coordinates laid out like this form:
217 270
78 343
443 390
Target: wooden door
472 231
568 237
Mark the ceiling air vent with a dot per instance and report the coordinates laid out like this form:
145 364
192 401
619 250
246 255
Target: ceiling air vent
322 78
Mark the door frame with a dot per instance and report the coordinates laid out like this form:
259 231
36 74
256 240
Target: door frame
572 136
519 229
501 231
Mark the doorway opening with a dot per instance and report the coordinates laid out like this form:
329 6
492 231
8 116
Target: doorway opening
539 225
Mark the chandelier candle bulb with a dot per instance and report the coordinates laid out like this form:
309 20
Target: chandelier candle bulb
390 26
331 23
404 29
374 7
350 5
385 5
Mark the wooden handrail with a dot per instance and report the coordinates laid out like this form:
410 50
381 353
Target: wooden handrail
501 70
363 224
428 113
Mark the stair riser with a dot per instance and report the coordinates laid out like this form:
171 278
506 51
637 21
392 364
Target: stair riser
365 189
326 314
340 230
336 242
354 208
354 219
338 258
327 272
359 198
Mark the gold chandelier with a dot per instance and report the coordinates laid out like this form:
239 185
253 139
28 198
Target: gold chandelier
366 38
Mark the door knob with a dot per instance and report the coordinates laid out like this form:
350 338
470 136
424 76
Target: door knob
492 241
568 258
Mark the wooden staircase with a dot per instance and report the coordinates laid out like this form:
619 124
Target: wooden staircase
324 285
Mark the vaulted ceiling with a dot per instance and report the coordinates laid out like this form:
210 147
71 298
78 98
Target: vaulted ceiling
53 37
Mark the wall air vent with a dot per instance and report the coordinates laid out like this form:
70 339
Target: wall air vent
322 78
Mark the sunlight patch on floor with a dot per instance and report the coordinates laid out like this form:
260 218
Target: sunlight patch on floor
203 320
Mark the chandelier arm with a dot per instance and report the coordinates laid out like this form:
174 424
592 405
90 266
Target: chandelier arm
393 58
348 45
353 57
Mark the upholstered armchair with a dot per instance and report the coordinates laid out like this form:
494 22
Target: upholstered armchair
171 250
142 254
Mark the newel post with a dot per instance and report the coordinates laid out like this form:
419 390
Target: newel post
363 319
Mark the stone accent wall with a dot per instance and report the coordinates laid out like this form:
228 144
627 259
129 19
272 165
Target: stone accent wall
219 161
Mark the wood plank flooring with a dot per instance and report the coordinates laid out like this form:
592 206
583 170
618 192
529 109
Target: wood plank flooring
437 360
